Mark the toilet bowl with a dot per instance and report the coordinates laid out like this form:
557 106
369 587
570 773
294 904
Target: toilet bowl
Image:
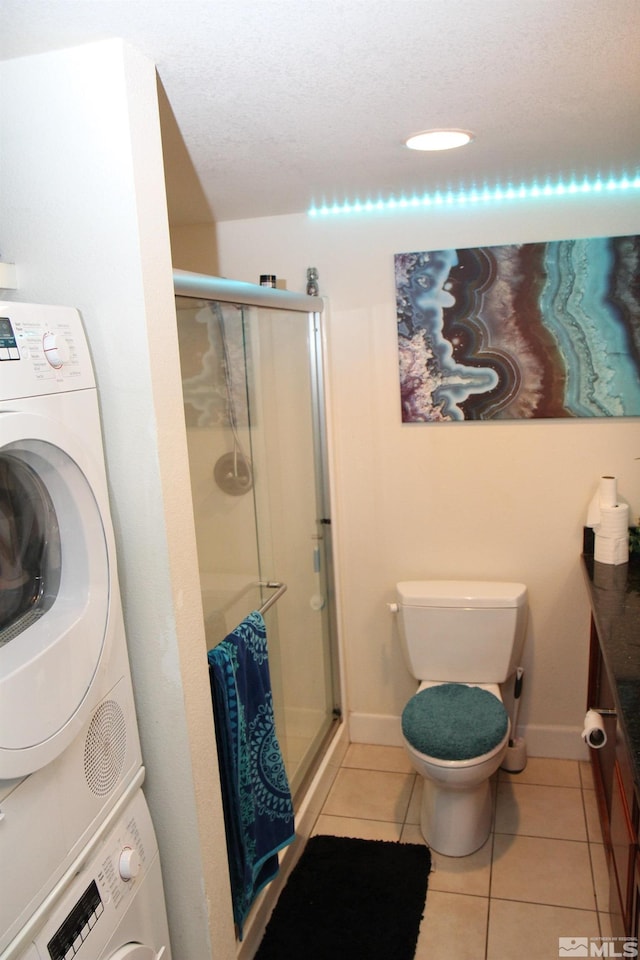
461 640
456 811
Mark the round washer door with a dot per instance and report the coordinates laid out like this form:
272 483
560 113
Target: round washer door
134 951
54 591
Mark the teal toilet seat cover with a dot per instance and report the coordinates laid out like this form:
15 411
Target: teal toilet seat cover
454 722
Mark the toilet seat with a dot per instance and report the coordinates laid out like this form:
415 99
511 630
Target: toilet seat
454 722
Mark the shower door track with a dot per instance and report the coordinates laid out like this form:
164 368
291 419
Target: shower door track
188 284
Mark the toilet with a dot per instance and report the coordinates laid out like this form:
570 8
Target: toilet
460 639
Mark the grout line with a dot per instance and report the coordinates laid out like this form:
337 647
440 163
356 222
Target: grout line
492 840
593 873
539 836
342 816
543 903
411 792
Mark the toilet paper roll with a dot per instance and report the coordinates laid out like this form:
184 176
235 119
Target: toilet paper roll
593 733
613 550
614 521
608 492
605 497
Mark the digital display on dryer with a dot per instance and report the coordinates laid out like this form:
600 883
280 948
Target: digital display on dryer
8 346
70 935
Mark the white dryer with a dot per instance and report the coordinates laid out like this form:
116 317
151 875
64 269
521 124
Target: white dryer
114 909
69 741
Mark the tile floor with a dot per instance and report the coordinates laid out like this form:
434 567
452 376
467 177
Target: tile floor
541 874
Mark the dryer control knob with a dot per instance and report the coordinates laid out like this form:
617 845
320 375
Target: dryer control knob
55 349
129 864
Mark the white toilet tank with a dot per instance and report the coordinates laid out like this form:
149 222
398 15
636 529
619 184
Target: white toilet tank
462 631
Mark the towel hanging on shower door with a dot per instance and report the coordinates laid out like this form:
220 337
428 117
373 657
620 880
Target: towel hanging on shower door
258 810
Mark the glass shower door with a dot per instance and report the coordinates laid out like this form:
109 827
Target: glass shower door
255 436
293 532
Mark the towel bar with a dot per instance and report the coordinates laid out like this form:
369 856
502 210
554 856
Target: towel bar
273 584
279 588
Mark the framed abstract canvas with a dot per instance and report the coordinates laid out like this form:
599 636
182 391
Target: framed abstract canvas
520 331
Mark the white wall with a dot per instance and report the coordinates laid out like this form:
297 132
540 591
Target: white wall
83 215
502 500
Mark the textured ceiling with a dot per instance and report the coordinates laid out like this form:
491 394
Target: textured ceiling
280 105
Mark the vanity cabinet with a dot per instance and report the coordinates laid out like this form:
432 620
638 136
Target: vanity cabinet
635 917
617 802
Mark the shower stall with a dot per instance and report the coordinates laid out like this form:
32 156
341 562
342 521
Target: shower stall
253 389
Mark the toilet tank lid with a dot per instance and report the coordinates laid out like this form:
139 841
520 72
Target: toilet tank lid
461 593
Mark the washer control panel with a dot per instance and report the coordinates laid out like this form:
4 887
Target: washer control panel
81 923
77 926
43 349
124 862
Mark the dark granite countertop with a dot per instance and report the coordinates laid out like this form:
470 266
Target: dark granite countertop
615 604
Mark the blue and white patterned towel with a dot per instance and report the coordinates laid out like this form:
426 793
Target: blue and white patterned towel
258 811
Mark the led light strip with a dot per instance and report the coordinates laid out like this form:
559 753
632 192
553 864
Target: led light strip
496 194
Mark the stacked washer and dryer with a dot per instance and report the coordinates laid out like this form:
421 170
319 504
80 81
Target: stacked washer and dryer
80 872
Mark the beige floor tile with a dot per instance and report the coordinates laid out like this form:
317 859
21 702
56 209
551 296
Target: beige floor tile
454 926
540 870
354 827
468 875
600 875
519 930
552 773
415 804
586 775
411 833
367 756
540 811
370 794
592 816
606 925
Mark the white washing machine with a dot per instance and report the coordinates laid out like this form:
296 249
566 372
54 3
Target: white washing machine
114 908
69 743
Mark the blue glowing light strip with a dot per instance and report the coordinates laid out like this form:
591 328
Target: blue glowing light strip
497 194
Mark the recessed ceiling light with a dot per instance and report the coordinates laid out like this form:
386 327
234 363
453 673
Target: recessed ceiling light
439 139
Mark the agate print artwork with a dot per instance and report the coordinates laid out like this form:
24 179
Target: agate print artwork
520 331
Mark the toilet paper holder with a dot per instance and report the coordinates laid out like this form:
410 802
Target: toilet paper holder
594 732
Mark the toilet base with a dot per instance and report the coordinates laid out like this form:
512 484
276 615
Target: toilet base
455 822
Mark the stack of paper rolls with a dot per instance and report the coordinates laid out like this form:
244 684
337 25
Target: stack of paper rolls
609 517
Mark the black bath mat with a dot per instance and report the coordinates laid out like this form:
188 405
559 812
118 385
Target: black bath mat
349 898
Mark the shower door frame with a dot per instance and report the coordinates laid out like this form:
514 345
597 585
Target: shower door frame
200 285
204 287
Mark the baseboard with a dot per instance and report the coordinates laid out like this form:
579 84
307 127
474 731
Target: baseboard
557 742
383 730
